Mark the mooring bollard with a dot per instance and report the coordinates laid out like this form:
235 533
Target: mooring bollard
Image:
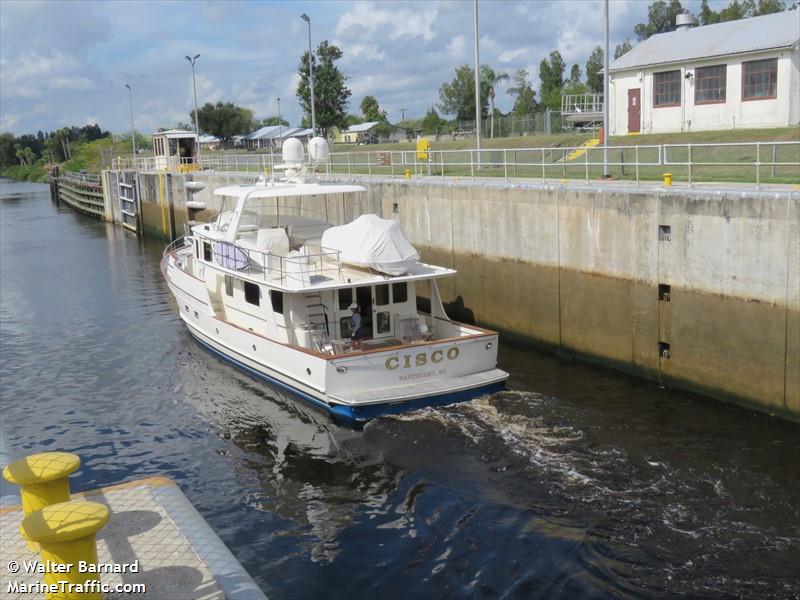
667 179
42 478
65 533
407 173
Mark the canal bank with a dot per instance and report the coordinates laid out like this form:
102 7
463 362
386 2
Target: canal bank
698 288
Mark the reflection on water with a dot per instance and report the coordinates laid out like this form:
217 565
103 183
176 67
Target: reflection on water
576 483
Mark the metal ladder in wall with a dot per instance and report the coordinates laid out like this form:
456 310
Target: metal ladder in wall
317 323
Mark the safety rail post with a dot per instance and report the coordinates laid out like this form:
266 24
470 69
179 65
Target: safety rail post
689 162
505 165
348 163
471 165
235 163
515 162
774 157
758 165
391 163
586 164
441 160
636 157
544 175
563 164
369 165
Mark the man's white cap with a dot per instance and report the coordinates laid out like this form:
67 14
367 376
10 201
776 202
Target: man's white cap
353 306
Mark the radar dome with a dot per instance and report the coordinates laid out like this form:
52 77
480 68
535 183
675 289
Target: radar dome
293 151
318 150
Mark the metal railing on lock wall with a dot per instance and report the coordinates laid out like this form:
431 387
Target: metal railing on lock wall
756 162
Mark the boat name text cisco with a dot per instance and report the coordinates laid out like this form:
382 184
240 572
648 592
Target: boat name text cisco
421 359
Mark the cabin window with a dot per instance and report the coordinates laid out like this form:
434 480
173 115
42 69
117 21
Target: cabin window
382 295
760 79
709 84
228 285
197 248
384 322
252 293
345 298
207 255
277 301
667 89
399 292
344 327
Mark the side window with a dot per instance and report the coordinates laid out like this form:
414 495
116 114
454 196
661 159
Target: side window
344 327
252 293
382 295
345 298
399 292
277 301
197 248
228 285
207 255
384 321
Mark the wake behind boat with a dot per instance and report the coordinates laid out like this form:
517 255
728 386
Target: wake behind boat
272 290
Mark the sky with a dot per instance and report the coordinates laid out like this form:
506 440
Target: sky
66 62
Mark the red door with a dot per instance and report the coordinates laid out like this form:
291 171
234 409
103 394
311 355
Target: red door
634 110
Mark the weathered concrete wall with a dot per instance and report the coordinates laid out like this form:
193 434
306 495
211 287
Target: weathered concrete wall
579 268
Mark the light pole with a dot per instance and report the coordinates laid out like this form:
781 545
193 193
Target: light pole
280 123
305 18
477 80
133 131
192 60
605 90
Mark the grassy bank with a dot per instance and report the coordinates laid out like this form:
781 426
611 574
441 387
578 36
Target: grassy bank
36 172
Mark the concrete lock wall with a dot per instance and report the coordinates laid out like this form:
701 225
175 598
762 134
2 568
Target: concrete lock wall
698 288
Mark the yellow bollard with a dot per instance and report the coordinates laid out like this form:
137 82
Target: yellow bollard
42 478
407 173
66 536
667 179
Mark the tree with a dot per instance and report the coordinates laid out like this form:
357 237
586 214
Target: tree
551 77
224 120
525 103
594 70
458 97
274 120
575 75
372 110
622 48
660 19
490 79
739 9
330 92
432 122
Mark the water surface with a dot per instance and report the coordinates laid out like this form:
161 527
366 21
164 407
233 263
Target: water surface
576 483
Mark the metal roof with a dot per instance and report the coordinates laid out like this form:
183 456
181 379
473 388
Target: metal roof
361 127
778 30
268 132
300 133
175 133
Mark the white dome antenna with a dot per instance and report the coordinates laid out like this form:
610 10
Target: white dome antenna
318 150
292 152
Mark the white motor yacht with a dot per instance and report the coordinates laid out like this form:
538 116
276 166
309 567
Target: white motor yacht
270 288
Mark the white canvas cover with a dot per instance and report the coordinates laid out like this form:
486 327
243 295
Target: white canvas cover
370 241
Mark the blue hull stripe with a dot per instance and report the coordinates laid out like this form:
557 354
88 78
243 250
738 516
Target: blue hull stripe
353 415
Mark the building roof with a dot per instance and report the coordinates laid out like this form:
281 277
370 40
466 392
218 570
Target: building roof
209 139
778 30
175 133
361 127
300 133
268 132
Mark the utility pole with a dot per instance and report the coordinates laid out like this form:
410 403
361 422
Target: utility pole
306 18
133 131
280 122
193 60
605 90
477 80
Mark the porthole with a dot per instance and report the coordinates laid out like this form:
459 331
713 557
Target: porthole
308 371
489 345
217 330
254 347
196 316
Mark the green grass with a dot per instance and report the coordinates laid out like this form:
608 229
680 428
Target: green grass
35 172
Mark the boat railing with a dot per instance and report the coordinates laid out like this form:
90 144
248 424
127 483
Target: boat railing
297 269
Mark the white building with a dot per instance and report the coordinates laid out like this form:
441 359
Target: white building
738 74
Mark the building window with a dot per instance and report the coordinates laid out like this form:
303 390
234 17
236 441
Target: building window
277 301
252 293
709 84
399 292
228 285
760 79
667 88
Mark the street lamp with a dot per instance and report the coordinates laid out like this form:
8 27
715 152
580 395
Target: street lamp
192 60
133 131
305 18
477 81
605 89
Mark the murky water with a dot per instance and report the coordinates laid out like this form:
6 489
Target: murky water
577 483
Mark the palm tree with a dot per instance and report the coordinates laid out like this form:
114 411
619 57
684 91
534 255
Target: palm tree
490 80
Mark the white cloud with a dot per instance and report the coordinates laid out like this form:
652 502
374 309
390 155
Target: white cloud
508 56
